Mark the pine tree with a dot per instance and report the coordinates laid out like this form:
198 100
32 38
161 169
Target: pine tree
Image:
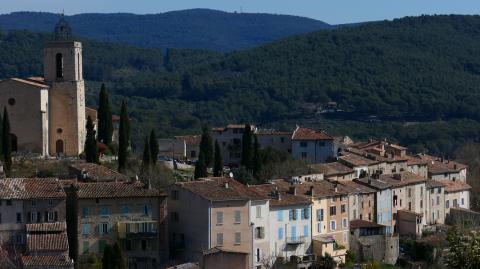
124 134
91 149
146 155
153 148
218 162
257 161
200 167
117 259
206 146
247 154
107 260
6 143
105 125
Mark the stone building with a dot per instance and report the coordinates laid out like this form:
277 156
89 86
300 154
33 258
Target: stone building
47 114
312 146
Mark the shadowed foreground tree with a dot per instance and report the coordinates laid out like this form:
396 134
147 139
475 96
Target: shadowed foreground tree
146 155
107 260
218 162
6 143
247 148
105 125
463 249
153 148
91 149
200 167
123 138
206 146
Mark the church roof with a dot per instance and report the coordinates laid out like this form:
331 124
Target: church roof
29 82
62 32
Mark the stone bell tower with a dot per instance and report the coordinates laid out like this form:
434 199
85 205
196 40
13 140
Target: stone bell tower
62 65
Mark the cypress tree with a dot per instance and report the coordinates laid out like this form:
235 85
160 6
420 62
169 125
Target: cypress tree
257 161
1 134
146 155
218 162
153 148
206 146
91 149
247 154
118 261
200 167
6 143
105 125
107 260
124 134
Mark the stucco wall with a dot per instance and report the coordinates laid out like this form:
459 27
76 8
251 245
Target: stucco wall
316 151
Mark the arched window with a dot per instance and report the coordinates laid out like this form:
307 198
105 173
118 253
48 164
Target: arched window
59 146
59 65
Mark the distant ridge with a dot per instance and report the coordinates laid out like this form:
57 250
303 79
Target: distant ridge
193 28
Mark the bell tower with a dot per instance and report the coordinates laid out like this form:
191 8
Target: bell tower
63 71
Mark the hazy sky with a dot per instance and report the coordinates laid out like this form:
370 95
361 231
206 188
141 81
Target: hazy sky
332 11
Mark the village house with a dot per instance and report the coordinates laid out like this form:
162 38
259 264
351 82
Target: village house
129 213
457 194
220 208
91 172
229 139
335 171
361 201
274 139
361 165
312 146
417 166
260 219
435 213
440 168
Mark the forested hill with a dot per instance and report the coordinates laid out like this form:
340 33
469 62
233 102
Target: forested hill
416 68
195 28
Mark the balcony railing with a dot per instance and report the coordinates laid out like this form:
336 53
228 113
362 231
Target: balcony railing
137 229
296 240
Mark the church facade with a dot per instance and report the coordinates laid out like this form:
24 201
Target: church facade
47 114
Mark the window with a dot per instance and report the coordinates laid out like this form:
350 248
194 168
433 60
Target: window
304 155
34 203
293 232
409 205
104 228
0 217
219 239
259 233
11 101
319 227
282 139
86 246
421 203
258 212
354 214
333 210
59 130
370 216
343 208
319 214
125 210
438 200
280 233
32 217
85 229
174 216
447 204
50 216
85 212
432 191
345 222
463 201
9 202
146 210
50 202
455 203
369 203
333 225
238 238
409 192
280 215
306 213
174 194
305 230
292 214
237 216
103 211
219 218
193 154
19 217
439 190
303 144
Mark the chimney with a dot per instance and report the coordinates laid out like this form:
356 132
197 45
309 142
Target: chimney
336 187
311 191
292 190
455 166
279 197
226 185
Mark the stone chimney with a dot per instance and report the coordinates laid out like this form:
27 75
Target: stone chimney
336 187
312 191
292 190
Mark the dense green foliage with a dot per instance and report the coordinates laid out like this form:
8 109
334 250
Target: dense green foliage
195 28
104 114
153 144
464 249
91 148
200 167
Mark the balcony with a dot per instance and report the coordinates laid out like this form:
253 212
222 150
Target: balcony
296 240
137 229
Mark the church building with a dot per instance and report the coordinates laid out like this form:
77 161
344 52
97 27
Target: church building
47 114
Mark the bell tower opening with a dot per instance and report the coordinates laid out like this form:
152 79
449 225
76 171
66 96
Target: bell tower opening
59 65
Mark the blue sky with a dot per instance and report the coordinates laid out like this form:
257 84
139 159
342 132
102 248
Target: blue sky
332 11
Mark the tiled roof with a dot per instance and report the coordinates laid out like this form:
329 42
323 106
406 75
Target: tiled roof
332 169
454 186
437 165
236 126
321 188
114 190
357 223
373 183
357 188
30 82
193 140
411 160
310 134
434 184
31 188
402 179
46 262
222 249
279 196
46 227
272 132
220 189
355 160
47 242
95 172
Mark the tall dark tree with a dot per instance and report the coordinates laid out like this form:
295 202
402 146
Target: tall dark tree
105 125
107 260
200 167
206 146
6 143
91 148
118 260
218 162
123 135
247 148
1 134
257 160
146 155
153 148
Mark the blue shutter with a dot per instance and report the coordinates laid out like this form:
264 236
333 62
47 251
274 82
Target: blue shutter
307 213
293 232
290 216
280 215
305 230
280 233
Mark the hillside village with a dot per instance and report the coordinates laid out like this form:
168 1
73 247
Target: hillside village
360 197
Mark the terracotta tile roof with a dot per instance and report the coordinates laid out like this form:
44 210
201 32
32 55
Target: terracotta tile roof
454 186
354 160
30 82
47 242
193 140
222 249
31 188
411 160
321 189
46 227
310 134
220 189
373 183
438 166
272 132
373 156
46 262
332 169
434 184
278 196
402 179
357 188
114 190
357 223
95 172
